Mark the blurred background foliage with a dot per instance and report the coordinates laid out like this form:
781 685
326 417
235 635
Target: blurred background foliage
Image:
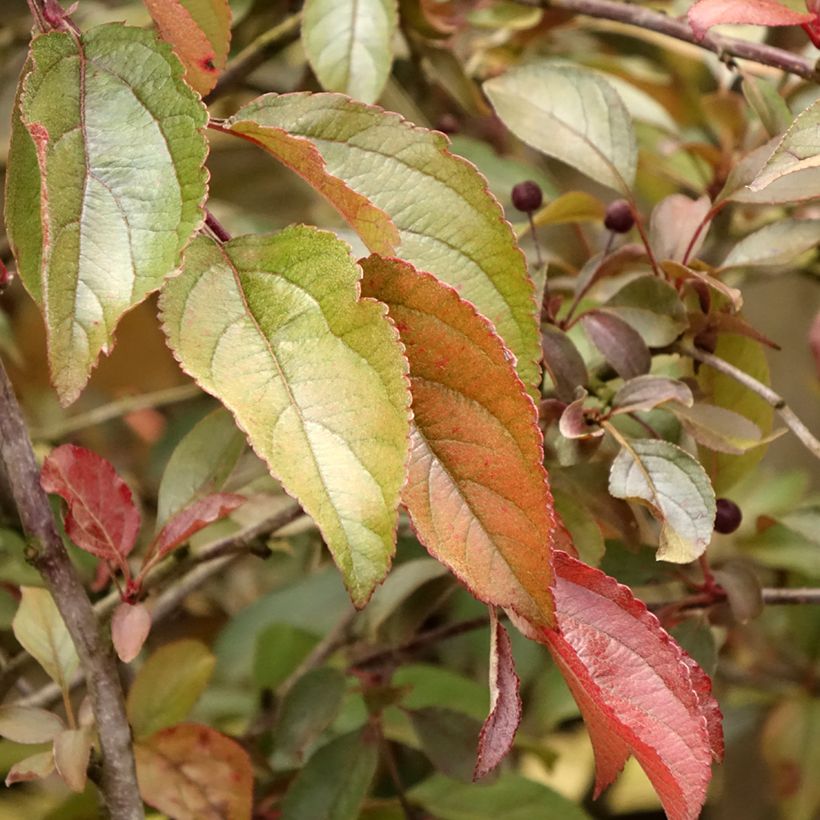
263 618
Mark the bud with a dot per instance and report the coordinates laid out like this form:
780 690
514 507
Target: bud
527 196
619 216
728 516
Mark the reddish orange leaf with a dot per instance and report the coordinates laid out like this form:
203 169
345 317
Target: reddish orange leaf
130 625
101 517
638 691
192 772
707 13
476 490
200 33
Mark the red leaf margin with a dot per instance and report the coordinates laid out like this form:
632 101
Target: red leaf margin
707 13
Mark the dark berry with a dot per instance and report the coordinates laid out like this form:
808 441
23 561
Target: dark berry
527 196
728 516
619 216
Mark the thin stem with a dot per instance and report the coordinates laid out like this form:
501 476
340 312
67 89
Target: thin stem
633 14
711 214
116 409
766 393
645 239
119 781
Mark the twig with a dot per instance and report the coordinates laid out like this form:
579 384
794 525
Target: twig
634 15
119 780
766 393
116 409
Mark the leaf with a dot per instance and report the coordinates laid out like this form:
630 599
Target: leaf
707 13
349 44
476 489
673 224
334 782
445 220
272 327
35 767
647 392
572 114
677 490
792 171
168 685
72 751
573 206
192 772
28 724
742 587
117 136
621 345
652 307
200 32
192 519
102 518
563 362
280 649
200 463
775 244
767 103
718 428
511 796
448 738
678 271
130 625
582 525
575 423
40 630
498 731
638 691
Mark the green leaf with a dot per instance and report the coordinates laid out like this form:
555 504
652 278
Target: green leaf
677 490
41 631
652 307
28 724
168 685
718 428
335 780
117 136
582 526
573 206
272 327
349 44
279 651
447 223
200 463
449 739
647 392
775 244
511 796
572 114
764 99
433 686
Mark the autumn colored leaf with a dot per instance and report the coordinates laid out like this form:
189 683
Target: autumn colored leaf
272 326
638 691
101 518
29 724
447 222
476 491
130 625
707 13
107 142
200 32
35 767
498 731
72 751
192 772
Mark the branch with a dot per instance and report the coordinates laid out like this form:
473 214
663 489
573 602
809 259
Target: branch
723 47
119 780
766 393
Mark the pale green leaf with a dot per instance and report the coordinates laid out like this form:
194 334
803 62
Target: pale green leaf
28 724
572 114
718 428
349 44
272 327
448 224
652 307
168 685
41 631
775 244
117 188
641 106
677 490
72 751
582 526
767 103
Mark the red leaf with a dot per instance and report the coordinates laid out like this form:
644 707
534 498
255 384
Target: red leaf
192 519
192 772
707 13
476 489
498 732
130 625
101 517
638 691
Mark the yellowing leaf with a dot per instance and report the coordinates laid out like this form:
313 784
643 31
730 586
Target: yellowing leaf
271 325
349 44
28 724
476 490
200 32
447 222
99 220
41 631
72 750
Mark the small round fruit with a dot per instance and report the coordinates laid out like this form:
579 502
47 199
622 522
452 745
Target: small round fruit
728 516
527 196
619 217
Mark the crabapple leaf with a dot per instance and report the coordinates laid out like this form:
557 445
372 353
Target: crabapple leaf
72 751
647 392
707 13
620 344
273 327
35 767
476 491
130 625
29 724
